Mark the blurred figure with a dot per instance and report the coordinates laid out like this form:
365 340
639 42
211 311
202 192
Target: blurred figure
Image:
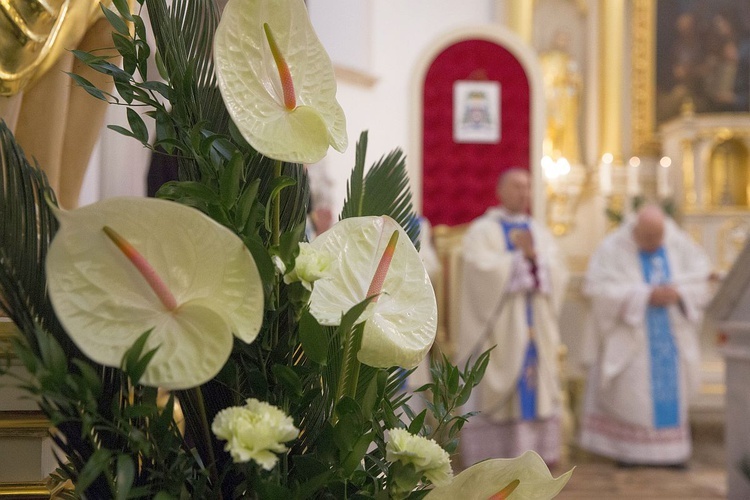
648 284
513 284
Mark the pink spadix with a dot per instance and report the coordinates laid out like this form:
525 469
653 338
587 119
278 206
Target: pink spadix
376 285
287 85
505 492
143 267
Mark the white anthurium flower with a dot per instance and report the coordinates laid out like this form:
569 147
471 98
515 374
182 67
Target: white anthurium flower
122 266
526 477
277 80
402 323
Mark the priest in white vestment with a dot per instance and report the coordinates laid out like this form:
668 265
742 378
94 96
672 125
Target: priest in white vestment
648 283
512 287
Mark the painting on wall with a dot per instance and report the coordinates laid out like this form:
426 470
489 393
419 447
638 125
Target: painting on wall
702 57
476 112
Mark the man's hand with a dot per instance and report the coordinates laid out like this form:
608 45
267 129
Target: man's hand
523 241
663 295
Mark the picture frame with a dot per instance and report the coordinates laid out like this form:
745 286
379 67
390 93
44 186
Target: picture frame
476 112
688 56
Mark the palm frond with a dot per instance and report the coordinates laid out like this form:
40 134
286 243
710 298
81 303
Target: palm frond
27 226
383 191
184 35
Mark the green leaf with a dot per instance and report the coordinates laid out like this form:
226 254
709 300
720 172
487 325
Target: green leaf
416 425
88 86
94 467
289 242
313 338
352 461
180 190
121 130
52 355
262 259
372 395
229 182
133 363
159 87
245 204
125 476
117 23
277 184
123 7
288 378
136 123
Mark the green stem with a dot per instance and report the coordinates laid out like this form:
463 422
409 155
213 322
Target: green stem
275 239
212 470
350 367
276 227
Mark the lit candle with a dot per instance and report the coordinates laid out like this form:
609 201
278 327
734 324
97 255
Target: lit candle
633 187
663 189
605 174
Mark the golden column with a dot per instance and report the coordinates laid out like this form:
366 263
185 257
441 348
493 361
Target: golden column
611 76
521 18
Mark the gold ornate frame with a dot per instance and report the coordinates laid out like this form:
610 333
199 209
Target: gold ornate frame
643 70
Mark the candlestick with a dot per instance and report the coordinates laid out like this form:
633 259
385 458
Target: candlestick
663 189
605 175
633 186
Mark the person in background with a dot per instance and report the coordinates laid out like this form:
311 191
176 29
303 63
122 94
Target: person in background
648 283
512 287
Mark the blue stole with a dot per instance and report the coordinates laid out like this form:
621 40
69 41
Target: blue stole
665 391
527 381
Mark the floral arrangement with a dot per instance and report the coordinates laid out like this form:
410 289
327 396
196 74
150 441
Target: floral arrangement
194 345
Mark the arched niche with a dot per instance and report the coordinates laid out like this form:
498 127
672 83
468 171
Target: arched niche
455 181
728 176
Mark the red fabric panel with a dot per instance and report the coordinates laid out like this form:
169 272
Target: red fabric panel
459 179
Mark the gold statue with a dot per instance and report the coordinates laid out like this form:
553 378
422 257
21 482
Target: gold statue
562 91
56 122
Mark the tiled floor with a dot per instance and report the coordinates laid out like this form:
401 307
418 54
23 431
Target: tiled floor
704 478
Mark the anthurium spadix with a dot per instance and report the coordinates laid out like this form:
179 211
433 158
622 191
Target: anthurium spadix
277 80
401 324
525 478
123 266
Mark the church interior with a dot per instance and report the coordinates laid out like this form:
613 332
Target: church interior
609 104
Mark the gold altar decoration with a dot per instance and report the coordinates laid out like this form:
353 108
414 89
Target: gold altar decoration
643 63
33 33
728 173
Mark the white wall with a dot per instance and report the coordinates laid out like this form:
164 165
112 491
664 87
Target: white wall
401 30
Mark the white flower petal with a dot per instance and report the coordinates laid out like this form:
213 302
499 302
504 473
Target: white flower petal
104 303
251 87
487 478
401 326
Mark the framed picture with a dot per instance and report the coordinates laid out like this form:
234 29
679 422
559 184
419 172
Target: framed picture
476 112
687 56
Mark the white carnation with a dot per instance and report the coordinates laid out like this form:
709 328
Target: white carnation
427 457
310 265
255 431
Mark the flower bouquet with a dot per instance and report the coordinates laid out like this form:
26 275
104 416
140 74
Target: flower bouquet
195 345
